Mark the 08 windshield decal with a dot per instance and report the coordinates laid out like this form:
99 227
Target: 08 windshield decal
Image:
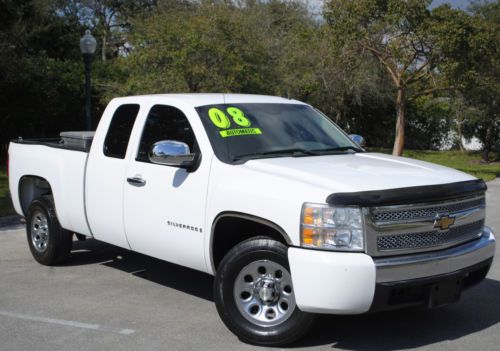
220 119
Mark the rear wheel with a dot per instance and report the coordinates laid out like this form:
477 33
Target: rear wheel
254 294
49 243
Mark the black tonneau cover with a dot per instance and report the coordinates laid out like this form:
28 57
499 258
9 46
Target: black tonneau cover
52 142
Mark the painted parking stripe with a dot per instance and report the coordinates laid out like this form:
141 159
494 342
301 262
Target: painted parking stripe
67 323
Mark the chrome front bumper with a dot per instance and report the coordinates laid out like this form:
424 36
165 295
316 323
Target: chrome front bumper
408 267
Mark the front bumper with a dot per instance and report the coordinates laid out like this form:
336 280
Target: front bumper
353 283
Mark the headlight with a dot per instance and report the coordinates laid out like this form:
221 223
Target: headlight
331 228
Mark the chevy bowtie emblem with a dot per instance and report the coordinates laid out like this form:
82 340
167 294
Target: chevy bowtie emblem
443 222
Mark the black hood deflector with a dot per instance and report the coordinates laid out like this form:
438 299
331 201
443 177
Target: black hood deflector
409 195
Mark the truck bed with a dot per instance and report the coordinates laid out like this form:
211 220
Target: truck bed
62 166
75 141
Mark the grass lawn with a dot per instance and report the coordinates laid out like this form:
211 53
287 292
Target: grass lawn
469 162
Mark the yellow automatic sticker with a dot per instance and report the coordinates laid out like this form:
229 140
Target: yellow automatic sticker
220 120
242 131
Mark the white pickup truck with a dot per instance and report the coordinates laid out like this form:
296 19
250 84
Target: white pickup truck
291 216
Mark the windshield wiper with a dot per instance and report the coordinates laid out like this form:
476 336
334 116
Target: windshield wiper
295 152
338 148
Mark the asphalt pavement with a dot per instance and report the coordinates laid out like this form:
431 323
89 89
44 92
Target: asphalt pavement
107 298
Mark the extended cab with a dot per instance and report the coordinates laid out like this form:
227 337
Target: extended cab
291 216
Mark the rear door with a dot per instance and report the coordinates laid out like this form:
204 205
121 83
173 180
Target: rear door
164 208
105 175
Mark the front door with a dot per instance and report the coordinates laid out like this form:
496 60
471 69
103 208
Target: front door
164 206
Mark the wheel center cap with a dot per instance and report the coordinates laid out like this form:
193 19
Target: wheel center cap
267 290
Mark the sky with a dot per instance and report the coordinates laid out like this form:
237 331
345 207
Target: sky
315 5
454 3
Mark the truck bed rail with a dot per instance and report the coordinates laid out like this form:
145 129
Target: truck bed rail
52 142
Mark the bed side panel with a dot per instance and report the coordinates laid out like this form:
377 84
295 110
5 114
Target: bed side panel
65 172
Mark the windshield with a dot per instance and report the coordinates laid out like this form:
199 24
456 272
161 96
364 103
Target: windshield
239 132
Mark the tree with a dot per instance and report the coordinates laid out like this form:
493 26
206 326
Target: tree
351 90
108 19
470 50
429 123
486 95
41 70
396 34
40 83
209 46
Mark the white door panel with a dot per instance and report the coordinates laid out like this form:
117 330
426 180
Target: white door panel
164 217
105 181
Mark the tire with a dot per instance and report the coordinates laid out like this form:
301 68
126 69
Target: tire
49 243
254 295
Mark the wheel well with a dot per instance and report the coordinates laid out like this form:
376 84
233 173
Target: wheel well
230 229
31 188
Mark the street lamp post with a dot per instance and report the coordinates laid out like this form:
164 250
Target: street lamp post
87 47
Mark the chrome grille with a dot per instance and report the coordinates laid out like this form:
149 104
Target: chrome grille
413 228
426 212
430 238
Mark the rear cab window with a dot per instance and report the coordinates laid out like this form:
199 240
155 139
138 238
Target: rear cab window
120 129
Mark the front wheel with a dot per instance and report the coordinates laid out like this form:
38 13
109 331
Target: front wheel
254 294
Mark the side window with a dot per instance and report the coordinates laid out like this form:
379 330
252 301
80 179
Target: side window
120 128
165 123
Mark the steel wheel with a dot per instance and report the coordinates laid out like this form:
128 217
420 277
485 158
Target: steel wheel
39 231
254 295
263 293
49 243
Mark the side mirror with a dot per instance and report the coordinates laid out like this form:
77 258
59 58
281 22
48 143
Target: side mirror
172 153
358 139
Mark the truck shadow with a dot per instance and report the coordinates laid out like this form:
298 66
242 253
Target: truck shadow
411 328
177 277
478 310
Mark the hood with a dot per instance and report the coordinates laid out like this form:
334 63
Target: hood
358 172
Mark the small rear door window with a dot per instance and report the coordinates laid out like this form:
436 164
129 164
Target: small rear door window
120 128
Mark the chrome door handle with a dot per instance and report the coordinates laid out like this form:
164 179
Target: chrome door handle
136 181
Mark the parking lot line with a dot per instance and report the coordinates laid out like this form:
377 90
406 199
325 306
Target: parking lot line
67 323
